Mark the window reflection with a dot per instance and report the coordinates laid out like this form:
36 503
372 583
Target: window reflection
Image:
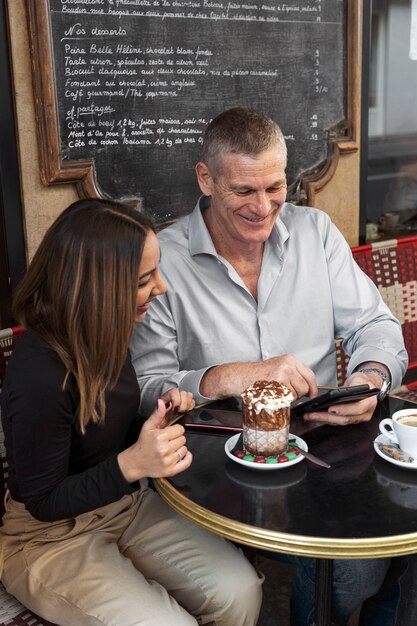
392 148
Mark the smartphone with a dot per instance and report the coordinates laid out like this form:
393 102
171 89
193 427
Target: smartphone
224 415
334 396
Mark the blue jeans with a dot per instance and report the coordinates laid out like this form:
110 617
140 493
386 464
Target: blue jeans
407 607
354 582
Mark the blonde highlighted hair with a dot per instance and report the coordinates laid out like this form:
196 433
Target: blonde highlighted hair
79 294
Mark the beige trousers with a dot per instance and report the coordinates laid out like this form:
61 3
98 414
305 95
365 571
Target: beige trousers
132 563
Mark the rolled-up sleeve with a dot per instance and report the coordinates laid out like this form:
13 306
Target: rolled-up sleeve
368 329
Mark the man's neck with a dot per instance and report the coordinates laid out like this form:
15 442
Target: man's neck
246 258
232 249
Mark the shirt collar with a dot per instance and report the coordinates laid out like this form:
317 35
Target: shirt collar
279 234
200 241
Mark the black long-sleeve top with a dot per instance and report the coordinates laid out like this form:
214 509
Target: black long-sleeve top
56 471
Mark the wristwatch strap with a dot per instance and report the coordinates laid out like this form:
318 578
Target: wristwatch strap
386 380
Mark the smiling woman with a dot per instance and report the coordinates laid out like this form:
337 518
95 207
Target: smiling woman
150 283
79 454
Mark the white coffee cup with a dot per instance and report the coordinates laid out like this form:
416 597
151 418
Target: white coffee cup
403 430
389 220
401 487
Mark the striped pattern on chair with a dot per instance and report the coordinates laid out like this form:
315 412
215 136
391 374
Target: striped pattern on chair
407 392
12 612
392 266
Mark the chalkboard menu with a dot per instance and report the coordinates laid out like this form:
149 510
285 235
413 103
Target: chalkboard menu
125 88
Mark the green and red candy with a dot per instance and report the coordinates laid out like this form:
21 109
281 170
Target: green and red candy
291 454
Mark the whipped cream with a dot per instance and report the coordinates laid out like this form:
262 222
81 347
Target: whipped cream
269 396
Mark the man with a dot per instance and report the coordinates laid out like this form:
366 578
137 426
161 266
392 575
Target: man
407 608
259 289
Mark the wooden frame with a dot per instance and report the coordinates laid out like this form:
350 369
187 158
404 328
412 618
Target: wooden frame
350 141
54 169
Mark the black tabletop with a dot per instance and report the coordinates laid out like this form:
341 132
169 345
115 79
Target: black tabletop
361 506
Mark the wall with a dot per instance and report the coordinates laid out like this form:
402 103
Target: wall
339 198
40 204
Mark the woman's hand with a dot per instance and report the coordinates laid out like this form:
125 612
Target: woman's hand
160 450
180 401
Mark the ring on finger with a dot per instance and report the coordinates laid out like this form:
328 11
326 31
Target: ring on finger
179 456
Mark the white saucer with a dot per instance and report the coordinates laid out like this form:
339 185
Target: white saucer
385 440
230 444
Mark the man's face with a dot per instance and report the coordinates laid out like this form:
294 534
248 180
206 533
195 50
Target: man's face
247 193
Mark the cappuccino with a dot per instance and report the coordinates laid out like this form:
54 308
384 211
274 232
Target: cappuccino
408 420
398 430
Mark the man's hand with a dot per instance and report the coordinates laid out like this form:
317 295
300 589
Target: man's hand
351 412
231 379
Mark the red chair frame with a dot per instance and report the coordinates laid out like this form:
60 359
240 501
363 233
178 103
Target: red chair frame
392 266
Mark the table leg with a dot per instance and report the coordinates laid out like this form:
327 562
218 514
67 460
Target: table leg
323 599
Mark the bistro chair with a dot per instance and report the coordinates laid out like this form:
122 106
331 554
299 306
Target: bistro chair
392 265
12 612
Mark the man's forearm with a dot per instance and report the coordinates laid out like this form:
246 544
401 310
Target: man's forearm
230 379
370 365
378 375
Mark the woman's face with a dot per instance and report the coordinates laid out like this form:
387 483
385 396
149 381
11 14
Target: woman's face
150 283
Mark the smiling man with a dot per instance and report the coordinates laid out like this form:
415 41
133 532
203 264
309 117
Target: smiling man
259 288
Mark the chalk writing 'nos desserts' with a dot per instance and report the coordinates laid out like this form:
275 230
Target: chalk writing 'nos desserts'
101 64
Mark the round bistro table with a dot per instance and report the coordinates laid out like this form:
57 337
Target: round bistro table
363 506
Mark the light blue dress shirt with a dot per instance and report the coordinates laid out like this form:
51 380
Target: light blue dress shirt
310 291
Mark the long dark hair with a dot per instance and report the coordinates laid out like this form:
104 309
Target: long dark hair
79 294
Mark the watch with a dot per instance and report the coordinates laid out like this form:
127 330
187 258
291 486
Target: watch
386 380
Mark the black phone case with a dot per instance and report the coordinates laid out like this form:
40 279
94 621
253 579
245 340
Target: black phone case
225 415
341 395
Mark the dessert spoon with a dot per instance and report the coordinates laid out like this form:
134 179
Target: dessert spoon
311 457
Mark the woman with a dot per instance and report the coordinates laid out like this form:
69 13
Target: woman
86 542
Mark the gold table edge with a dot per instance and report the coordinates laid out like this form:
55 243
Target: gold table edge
274 541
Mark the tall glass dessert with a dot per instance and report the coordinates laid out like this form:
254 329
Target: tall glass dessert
266 418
